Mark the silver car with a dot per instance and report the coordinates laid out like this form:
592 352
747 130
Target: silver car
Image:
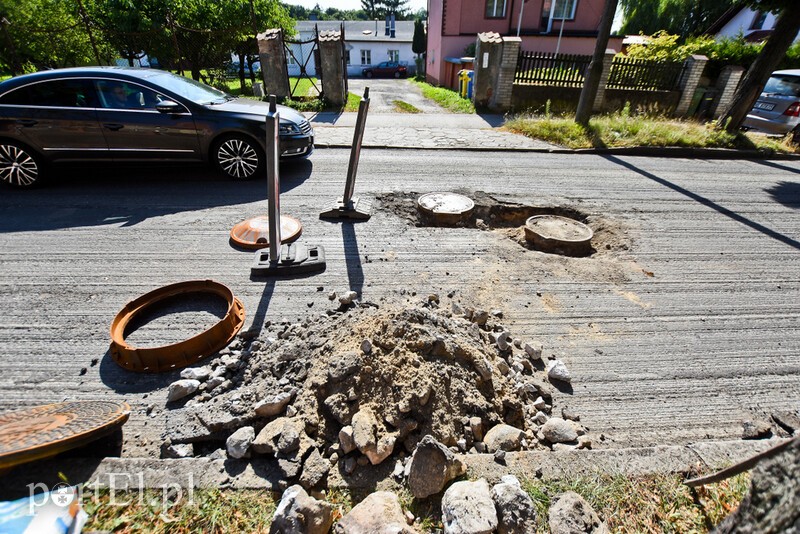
777 110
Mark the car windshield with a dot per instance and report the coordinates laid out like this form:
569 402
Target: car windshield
197 92
783 84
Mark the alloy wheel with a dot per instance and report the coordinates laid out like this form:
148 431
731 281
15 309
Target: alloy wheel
18 167
237 158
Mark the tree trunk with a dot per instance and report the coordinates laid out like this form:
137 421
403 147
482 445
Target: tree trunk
757 75
592 81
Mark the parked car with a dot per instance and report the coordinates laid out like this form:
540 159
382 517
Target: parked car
386 69
777 110
124 114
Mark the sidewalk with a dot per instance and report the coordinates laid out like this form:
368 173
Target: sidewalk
425 130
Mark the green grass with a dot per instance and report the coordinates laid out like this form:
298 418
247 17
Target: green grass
447 98
404 107
659 503
623 130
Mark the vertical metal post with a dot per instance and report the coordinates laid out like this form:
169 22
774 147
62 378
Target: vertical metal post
273 181
355 153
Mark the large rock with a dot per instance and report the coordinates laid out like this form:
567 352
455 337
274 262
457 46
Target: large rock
503 438
297 513
557 430
773 504
274 404
283 435
516 513
432 466
557 370
571 514
315 469
382 450
467 508
238 443
365 427
182 388
379 513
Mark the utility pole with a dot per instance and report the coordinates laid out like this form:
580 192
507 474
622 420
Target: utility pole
592 81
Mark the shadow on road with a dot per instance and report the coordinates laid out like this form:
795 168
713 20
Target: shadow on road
128 195
787 193
776 166
707 202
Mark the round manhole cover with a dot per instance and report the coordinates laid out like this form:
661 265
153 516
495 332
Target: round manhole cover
553 233
42 431
254 233
446 208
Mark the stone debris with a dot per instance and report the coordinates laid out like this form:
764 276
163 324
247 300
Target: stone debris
379 513
756 430
557 430
571 513
431 467
516 513
467 508
348 298
365 384
297 512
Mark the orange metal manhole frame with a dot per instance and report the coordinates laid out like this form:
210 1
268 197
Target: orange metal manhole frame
42 431
183 353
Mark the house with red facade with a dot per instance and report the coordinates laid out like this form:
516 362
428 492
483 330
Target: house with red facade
566 26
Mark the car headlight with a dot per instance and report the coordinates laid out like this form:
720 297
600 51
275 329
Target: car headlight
288 128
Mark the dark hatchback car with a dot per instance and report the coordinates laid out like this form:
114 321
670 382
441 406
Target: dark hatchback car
122 114
386 69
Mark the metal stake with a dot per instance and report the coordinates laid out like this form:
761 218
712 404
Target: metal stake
349 207
273 181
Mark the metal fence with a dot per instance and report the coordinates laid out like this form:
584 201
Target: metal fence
542 68
642 74
569 70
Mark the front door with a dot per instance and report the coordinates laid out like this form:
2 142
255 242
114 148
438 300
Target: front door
135 130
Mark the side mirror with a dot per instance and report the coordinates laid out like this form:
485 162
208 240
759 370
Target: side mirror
169 107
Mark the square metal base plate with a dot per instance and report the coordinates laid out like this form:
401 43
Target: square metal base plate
356 209
295 258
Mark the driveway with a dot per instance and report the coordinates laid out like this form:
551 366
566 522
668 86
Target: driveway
383 92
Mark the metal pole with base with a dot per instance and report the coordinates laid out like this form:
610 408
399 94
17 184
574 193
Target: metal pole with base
349 207
279 259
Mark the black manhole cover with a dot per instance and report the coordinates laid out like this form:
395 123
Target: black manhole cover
445 208
43 431
554 233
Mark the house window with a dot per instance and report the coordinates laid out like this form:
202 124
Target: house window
366 57
394 55
347 57
557 10
495 9
758 21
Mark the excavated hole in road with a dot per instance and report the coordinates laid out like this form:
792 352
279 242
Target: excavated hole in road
509 219
175 319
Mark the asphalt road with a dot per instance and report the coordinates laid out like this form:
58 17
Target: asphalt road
687 326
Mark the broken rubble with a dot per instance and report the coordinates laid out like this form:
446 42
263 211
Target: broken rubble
300 513
467 508
432 466
379 513
571 513
182 388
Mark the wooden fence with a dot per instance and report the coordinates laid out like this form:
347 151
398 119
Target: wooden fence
629 73
541 68
569 70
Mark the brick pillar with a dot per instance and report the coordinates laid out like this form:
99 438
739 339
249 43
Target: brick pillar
600 97
488 56
691 79
727 83
332 67
273 63
501 100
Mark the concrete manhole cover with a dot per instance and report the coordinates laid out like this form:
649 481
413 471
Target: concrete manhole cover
43 431
554 233
445 208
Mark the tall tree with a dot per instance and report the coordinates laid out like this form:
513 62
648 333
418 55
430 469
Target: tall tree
419 43
396 7
785 31
370 7
592 81
686 18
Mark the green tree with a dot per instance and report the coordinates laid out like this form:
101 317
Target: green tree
370 7
398 7
680 17
774 51
419 43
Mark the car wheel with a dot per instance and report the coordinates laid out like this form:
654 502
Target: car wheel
240 158
369 75
396 74
19 165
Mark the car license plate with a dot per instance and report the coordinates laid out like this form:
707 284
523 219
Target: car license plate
766 106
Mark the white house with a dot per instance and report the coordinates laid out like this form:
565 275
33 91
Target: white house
367 43
754 25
